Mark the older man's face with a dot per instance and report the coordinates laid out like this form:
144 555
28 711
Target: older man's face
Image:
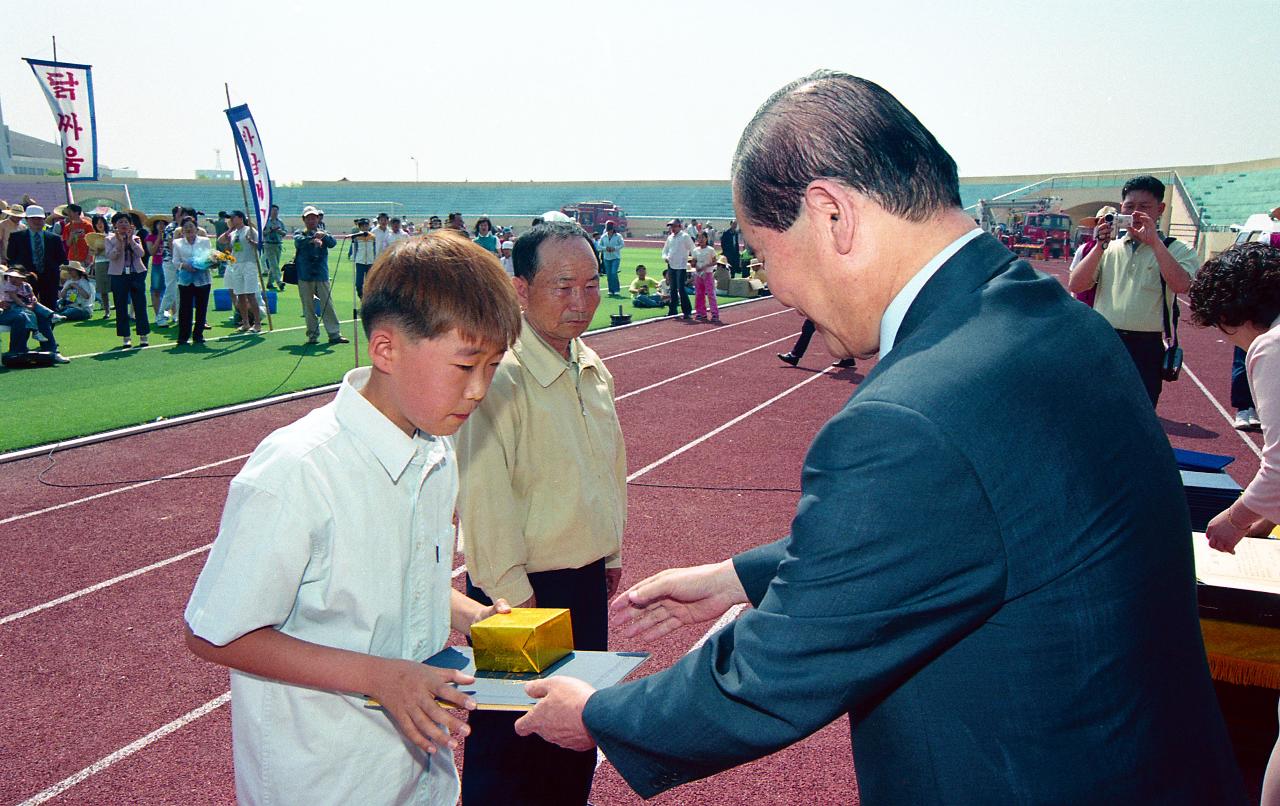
565 292
35 223
804 275
310 220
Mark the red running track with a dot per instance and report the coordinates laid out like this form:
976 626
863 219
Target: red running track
107 668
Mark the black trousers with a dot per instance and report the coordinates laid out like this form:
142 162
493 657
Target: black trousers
1147 352
500 767
802 343
192 299
126 288
679 292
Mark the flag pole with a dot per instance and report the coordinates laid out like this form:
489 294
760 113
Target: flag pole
244 192
66 183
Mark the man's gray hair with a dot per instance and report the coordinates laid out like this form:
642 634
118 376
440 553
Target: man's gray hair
838 126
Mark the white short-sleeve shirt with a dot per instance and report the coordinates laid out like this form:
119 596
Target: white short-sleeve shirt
339 531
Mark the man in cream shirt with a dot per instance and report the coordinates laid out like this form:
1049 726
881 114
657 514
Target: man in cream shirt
543 499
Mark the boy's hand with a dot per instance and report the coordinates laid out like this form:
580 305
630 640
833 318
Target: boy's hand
409 691
483 613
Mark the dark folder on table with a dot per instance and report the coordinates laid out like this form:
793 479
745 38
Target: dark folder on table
1197 460
1207 495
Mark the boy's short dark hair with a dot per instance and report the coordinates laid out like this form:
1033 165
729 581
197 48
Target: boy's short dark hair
641 266
74 208
1145 182
429 285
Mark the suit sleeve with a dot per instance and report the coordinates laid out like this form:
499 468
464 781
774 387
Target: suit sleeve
894 556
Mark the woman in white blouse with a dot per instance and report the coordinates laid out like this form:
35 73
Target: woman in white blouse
1238 292
191 255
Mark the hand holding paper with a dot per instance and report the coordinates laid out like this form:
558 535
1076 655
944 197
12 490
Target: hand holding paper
409 692
558 715
676 598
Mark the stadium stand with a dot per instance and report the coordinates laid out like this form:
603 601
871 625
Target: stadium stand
1224 195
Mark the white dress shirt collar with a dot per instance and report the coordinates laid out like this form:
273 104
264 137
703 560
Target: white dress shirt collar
901 303
392 448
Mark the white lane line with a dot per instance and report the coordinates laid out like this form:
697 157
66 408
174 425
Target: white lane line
1221 410
119 490
695 443
709 329
182 721
456 573
128 750
227 337
729 615
105 584
701 368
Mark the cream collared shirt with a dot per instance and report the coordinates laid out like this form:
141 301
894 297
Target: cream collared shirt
338 531
543 469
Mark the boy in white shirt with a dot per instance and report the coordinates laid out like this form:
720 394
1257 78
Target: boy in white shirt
352 590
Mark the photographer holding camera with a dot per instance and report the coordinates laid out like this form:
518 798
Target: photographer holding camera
1138 274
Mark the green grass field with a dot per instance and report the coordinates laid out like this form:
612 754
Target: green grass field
105 387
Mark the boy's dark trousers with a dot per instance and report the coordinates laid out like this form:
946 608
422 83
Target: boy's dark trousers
679 292
500 767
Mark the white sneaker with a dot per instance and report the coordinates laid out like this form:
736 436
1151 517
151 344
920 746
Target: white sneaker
1246 420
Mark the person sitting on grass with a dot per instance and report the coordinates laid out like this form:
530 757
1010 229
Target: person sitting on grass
75 300
353 589
664 287
644 290
23 313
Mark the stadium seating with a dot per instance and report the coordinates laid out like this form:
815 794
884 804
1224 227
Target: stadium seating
1226 199
1223 199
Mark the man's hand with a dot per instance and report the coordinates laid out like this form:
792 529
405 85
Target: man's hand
676 598
558 715
1144 229
1102 233
612 579
408 691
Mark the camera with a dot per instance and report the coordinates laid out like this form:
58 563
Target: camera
1118 221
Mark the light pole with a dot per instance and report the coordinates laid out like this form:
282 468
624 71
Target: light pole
415 168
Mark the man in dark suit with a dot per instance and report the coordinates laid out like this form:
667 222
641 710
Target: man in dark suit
39 252
990 567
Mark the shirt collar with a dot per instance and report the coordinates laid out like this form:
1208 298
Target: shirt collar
389 445
541 359
901 303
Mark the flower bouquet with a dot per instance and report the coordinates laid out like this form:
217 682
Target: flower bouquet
220 260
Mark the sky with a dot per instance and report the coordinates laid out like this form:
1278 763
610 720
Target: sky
498 90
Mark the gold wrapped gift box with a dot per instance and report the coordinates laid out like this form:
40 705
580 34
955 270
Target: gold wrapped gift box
528 639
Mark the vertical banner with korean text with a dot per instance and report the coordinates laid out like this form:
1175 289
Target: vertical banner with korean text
69 88
254 160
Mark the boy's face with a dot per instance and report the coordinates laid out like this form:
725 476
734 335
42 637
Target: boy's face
434 385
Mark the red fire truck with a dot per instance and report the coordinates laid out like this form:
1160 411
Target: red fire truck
1049 234
592 216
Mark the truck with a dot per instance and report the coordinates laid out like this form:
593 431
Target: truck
593 215
1032 226
1046 233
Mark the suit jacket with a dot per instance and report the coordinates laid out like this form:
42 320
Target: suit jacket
47 284
989 570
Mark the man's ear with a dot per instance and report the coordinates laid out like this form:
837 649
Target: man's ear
832 212
384 346
521 286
